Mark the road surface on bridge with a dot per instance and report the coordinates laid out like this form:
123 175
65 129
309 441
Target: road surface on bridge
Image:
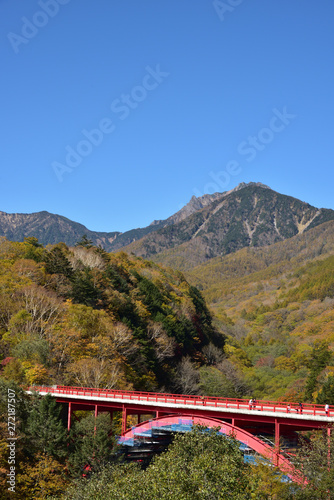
177 402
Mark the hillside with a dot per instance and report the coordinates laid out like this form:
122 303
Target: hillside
276 307
253 216
80 316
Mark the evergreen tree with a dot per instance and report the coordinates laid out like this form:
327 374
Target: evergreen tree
91 444
84 290
45 428
57 263
84 242
326 395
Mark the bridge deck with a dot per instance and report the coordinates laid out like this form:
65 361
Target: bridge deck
172 402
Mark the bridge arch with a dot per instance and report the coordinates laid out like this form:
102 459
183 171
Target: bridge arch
176 422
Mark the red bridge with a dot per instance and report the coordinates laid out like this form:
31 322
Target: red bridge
246 421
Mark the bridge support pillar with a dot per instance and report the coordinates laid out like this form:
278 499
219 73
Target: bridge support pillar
124 418
69 414
277 441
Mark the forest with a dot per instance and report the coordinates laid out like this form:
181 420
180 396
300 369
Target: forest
256 323
275 306
83 317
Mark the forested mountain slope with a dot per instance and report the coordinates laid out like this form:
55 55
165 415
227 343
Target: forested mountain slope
84 317
276 306
80 316
253 216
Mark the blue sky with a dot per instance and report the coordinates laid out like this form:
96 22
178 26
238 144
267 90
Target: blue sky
117 112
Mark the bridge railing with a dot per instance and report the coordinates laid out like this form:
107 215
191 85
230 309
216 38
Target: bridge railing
188 399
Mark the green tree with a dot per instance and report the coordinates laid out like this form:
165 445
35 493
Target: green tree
199 465
45 428
315 463
33 249
91 444
215 383
320 358
84 242
84 288
56 262
31 240
326 395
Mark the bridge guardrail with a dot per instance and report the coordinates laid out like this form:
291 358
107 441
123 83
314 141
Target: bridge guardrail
217 402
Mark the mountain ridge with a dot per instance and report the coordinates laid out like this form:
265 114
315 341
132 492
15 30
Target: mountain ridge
250 214
197 203
253 216
48 228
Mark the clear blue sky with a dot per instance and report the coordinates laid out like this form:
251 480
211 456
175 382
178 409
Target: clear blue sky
189 98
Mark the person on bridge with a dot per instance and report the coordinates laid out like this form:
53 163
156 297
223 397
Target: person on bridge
250 404
300 409
327 409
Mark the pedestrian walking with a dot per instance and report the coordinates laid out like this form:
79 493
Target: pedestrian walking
327 409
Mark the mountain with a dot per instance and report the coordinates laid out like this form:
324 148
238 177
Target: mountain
193 206
52 228
49 229
196 204
250 215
